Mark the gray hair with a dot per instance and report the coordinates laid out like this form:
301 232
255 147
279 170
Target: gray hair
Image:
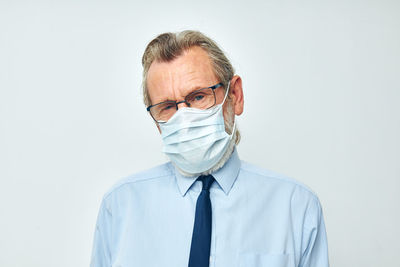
168 46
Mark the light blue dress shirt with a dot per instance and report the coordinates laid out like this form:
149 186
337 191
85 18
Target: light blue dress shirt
259 219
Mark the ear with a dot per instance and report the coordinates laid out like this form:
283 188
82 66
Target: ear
236 93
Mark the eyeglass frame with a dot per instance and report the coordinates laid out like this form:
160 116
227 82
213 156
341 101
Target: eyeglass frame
185 101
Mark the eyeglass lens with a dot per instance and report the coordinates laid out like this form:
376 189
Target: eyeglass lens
201 99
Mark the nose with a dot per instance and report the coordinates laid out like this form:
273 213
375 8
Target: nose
185 104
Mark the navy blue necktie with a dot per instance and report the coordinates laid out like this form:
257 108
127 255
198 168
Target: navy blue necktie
201 238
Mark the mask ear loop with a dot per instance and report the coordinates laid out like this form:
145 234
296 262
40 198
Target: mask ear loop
226 94
234 116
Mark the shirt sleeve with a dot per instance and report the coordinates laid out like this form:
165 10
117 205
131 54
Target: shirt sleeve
314 241
101 253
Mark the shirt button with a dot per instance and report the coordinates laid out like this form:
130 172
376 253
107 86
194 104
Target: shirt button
210 258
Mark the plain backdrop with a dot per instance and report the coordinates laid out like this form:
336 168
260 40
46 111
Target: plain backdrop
322 91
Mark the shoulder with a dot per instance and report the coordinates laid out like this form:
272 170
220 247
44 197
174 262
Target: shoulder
145 176
301 200
278 181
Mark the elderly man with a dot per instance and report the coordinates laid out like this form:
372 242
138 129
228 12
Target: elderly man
205 207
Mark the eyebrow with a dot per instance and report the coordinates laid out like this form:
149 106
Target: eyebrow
194 88
186 92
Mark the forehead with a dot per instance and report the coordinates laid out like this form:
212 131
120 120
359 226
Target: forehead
174 79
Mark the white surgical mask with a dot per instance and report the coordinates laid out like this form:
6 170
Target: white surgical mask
195 139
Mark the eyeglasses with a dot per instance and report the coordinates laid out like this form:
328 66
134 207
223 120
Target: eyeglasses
203 98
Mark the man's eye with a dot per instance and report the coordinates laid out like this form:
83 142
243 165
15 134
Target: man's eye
198 97
167 107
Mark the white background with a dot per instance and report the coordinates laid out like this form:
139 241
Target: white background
322 92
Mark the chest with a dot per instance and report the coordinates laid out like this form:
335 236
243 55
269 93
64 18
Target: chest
248 230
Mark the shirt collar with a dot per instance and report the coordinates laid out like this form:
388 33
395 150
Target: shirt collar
224 176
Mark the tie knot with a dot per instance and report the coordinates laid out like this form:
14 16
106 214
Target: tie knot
207 180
